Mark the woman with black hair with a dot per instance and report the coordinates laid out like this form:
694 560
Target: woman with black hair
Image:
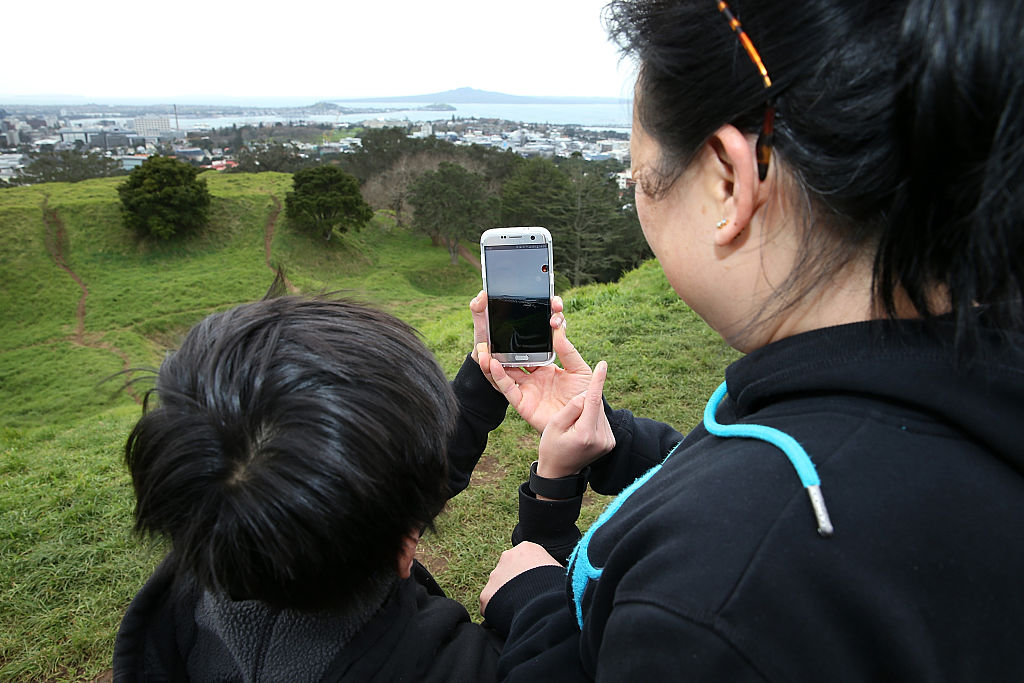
837 188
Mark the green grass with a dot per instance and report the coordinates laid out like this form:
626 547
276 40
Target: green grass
68 562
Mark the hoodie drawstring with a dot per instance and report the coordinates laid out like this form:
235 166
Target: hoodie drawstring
784 442
580 570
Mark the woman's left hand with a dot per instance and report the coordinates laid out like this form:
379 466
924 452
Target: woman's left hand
540 392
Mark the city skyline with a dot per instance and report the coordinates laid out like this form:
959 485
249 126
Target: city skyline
230 53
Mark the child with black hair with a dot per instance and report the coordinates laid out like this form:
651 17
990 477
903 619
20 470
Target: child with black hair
293 467
837 189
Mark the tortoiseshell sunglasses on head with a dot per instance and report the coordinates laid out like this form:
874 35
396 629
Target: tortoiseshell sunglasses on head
767 136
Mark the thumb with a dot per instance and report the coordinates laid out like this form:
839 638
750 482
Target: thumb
571 359
506 384
478 307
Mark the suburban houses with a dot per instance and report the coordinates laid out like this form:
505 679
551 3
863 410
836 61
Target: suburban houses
132 139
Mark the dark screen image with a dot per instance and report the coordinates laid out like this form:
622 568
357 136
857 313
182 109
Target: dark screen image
518 302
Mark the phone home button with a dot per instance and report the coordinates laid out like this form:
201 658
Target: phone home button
519 357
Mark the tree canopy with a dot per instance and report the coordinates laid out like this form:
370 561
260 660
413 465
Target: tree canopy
594 227
68 166
536 193
272 157
164 197
451 204
326 200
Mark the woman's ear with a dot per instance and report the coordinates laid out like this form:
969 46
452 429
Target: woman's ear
407 553
739 187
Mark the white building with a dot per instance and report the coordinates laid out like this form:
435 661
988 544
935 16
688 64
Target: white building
152 126
10 165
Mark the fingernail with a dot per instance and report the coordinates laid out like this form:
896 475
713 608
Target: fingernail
481 347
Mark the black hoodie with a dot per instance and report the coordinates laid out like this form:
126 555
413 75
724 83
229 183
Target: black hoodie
710 567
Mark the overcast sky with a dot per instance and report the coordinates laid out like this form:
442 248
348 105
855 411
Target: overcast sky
221 49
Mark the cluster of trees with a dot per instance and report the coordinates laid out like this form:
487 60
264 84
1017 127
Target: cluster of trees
276 156
452 204
389 163
451 193
236 137
593 223
67 166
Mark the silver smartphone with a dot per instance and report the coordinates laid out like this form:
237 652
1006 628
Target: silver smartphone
518 279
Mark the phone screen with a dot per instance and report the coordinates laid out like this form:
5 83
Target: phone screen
518 298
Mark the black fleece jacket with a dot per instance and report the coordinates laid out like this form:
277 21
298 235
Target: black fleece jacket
710 567
174 632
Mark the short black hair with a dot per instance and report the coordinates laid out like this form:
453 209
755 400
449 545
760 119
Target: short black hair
295 442
900 122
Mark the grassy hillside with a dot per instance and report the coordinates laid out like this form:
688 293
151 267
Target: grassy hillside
84 300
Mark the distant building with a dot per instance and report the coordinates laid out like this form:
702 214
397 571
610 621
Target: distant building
131 161
152 126
382 123
221 164
10 165
425 131
100 137
194 155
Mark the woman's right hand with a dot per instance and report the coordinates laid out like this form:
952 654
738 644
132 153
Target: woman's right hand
540 392
578 434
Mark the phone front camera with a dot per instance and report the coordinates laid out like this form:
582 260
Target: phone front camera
533 237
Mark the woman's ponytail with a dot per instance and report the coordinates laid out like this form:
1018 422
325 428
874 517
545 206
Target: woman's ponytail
958 219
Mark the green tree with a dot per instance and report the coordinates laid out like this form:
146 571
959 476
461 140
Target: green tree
602 237
590 245
325 201
379 149
536 193
451 204
164 197
593 225
389 188
68 166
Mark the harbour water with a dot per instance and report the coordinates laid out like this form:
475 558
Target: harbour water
603 116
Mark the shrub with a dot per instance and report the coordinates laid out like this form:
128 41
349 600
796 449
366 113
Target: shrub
326 200
163 197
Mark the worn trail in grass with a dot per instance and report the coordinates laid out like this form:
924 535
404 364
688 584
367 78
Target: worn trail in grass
57 245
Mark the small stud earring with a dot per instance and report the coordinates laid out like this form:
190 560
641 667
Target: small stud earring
721 224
